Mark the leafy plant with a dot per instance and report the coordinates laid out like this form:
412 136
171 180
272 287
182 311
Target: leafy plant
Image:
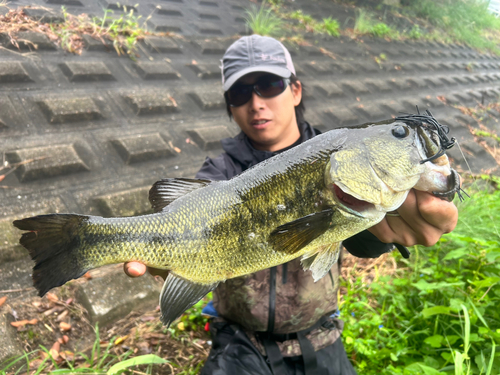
263 21
439 314
330 26
415 32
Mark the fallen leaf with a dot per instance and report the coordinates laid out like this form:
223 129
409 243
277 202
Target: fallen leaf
33 322
52 297
54 351
19 323
2 300
180 326
64 326
177 149
2 177
193 62
61 316
69 301
119 340
88 276
172 100
65 339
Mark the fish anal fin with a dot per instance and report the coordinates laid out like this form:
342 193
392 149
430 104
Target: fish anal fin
321 260
293 236
165 191
178 295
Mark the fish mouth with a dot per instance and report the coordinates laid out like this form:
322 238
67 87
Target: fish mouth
352 204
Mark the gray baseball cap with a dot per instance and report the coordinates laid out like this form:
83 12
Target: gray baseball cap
255 53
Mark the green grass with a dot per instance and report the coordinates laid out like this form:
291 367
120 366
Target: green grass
466 21
440 313
262 20
366 25
99 361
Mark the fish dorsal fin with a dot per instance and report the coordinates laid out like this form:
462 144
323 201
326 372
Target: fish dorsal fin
293 236
178 295
168 190
321 260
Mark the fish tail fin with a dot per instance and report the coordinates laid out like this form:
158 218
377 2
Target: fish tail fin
53 243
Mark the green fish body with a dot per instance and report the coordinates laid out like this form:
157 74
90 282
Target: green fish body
300 203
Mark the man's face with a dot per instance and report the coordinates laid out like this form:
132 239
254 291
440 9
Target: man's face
270 123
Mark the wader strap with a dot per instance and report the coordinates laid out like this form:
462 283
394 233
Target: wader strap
272 300
274 356
308 355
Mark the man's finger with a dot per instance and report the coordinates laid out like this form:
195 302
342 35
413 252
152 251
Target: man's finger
134 269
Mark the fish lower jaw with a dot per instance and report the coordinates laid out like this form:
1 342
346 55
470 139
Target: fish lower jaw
352 204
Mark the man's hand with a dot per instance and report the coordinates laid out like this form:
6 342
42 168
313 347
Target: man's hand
136 269
422 219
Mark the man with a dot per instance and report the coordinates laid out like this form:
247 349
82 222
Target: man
278 321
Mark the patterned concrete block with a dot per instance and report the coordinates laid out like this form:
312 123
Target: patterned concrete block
29 41
378 85
209 28
132 202
330 90
393 107
10 249
208 99
92 44
162 25
206 71
13 71
342 116
162 45
344 68
209 138
400 83
81 71
320 67
10 348
61 110
43 162
373 111
150 102
141 148
44 15
153 70
65 2
123 5
169 12
431 101
210 47
355 87
434 81
112 296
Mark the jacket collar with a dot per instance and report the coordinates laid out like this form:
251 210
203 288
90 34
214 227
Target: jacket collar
240 148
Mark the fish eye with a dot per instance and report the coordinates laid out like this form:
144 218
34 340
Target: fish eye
400 131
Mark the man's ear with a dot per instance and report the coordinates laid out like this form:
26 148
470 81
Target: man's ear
296 92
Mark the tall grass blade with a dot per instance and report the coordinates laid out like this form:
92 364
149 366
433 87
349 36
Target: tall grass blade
147 359
492 358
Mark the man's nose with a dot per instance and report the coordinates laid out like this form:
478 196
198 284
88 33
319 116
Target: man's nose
257 102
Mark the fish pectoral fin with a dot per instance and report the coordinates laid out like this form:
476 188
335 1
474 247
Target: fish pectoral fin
321 260
293 236
168 190
178 295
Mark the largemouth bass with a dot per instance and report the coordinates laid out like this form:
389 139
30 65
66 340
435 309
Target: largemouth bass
300 203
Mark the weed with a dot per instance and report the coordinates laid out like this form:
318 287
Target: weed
364 22
381 30
329 26
415 32
263 21
441 311
465 21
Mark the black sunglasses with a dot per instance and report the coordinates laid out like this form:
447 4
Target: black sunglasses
266 87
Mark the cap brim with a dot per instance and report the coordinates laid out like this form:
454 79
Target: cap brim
282 72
